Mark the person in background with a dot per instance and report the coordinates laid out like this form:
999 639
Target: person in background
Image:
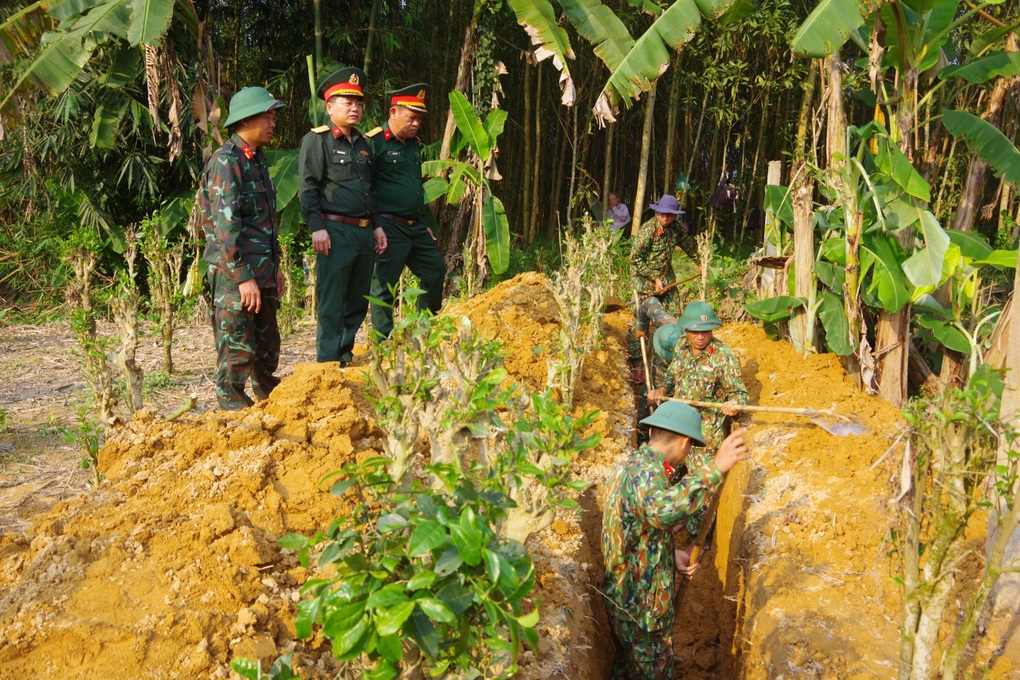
641 510
237 206
617 212
335 165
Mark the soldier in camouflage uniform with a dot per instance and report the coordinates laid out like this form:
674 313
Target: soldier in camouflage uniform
651 255
641 509
336 203
237 203
651 315
701 368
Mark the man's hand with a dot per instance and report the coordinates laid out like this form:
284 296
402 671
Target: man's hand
380 240
638 333
251 296
656 396
281 284
683 563
729 408
320 241
732 451
660 285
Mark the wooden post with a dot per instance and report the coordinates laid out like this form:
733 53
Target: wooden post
766 288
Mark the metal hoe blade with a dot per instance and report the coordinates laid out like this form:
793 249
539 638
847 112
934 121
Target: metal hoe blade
839 425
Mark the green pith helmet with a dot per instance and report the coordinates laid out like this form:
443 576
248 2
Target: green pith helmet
699 316
665 340
677 417
251 101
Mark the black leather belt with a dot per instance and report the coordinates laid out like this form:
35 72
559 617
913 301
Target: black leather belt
356 221
397 218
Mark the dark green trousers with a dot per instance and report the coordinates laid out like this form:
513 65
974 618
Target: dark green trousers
413 246
342 281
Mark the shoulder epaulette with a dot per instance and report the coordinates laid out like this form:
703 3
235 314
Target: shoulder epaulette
319 130
373 132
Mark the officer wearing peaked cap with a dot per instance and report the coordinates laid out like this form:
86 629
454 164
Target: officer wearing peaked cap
237 204
336 203
399 195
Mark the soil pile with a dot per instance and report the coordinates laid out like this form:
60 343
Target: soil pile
171 567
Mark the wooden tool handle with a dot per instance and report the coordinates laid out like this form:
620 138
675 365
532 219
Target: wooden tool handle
751 409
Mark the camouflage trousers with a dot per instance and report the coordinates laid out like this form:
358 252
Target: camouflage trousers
642 654
651 315
247 346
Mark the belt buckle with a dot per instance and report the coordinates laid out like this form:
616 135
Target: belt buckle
364 222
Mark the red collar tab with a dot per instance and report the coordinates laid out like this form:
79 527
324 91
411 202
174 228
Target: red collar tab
247 151
337 131
658 230
387 134
669 469
710 350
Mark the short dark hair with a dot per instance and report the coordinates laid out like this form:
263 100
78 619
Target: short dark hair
665 436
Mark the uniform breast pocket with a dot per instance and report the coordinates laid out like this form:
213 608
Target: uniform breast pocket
343 168
254 200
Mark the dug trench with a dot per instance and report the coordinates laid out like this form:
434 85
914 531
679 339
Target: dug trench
171 567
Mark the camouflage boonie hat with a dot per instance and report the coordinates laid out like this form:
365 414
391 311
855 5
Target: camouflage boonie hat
665 340
699 316
678 417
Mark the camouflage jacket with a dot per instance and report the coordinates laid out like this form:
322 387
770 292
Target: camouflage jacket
713 375
651 255
237 204
641 509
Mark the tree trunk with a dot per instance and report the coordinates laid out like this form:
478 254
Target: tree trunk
607 175
463 71
802 190
974 186
646 144
557 184
671 123
1006 594
369 42
573 166
533 214
530 142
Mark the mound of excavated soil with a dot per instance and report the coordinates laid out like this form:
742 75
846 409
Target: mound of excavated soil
171 567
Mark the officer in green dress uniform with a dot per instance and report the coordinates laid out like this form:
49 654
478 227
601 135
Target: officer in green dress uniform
336 203
399 196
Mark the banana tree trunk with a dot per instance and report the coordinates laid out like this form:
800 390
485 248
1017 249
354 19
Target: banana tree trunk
463 71
646 145
802 188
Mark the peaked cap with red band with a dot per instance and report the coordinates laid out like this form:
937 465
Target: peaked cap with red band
412 96
346 82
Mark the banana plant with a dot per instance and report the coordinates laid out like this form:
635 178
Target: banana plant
490 238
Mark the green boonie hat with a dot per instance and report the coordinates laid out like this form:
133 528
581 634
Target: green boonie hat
678 417
251 101
699 316
665 340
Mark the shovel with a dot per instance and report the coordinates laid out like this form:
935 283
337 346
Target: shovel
831 422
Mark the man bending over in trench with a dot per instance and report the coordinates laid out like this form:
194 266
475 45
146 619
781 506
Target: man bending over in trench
641 510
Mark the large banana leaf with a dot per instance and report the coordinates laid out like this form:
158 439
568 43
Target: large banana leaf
470 126
925 24
493 125
828 27
991 146
983 69
924 268
982 43
111 18
497 234
972 245
283 168
149 20
946 333
1000 258
600 26
58 64
898 167
125 67
649 57
834 321
778 308
883 255
538 19
21 32
109 113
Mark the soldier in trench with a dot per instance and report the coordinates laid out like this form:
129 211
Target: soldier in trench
701 368
642 508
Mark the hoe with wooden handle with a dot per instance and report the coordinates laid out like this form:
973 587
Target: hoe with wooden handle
833 423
